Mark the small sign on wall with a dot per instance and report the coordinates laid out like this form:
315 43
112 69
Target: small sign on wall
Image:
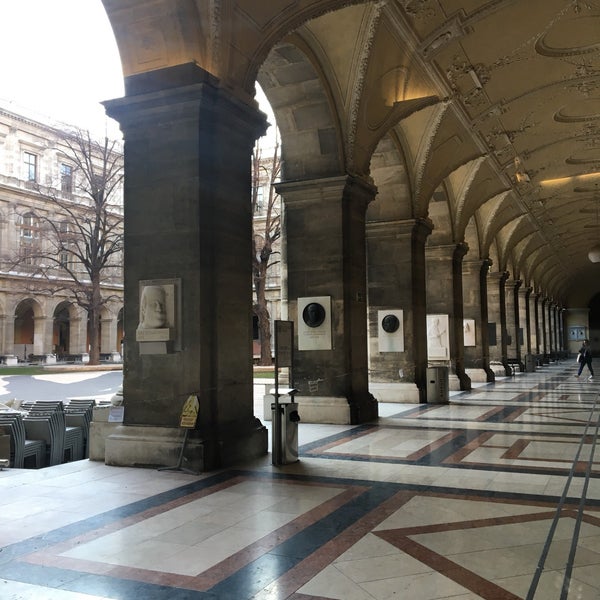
390 330
577 333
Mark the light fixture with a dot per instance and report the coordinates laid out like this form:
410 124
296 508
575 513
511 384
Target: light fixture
594 254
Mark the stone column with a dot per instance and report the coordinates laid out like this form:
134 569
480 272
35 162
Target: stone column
513 323
537 324
445 296
108 338
78 333
396 281
544 330
188 225
497 320
474 280
525 305
561 331
551 330
326 257
8 340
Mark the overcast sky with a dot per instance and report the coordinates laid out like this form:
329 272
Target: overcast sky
59 59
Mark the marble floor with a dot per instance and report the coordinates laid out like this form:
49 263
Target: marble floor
495 495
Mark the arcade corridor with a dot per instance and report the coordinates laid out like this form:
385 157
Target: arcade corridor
476 499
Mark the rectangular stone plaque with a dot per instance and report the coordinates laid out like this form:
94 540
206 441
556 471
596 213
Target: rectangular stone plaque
154 335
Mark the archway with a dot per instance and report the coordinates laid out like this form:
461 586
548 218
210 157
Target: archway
61 330
25 328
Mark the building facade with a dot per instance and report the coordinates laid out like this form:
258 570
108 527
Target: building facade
41 184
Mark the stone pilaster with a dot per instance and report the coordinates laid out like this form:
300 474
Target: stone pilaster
497 321
544 329
513 321
525 312
108 335
188 220
474 278
445 296
326 256
537 324
395 249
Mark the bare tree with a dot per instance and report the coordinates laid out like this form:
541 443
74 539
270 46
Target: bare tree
266 208
79 227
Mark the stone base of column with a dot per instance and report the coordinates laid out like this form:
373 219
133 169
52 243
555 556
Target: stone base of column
498 370
403 393
477 375
453 382
135 446
335 410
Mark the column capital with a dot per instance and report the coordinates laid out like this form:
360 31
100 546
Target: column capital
399 228
305 192
180 93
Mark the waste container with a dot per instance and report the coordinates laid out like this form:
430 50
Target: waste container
284 421
437 385
529 363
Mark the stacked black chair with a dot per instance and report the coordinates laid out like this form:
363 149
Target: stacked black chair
46 420
79 412
21 447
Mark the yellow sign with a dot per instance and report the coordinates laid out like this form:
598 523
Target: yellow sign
189 414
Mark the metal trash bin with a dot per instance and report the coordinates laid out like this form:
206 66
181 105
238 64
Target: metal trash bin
284 422
530 363
438 385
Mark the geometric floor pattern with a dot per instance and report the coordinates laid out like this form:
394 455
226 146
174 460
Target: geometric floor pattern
495 495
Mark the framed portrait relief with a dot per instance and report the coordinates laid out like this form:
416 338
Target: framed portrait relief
438 337
390 330
469 332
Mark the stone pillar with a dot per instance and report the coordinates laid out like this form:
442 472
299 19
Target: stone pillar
544 330
445 296
551 330
513 322
537 323
474 280
78 333
42 339
8 340
561 331
108 337
497 320
396 281
188 226
525 305
326 257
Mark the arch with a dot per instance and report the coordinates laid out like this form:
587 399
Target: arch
61 328
27 328
304 109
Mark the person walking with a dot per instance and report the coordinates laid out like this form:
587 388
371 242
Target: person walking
585 358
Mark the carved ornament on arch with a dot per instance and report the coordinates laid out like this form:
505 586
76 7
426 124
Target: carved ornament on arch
425 150
359 81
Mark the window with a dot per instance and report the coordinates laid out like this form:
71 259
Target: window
260 199
29 227
30 162
66 178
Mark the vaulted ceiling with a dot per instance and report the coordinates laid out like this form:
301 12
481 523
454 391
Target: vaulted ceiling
481 115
